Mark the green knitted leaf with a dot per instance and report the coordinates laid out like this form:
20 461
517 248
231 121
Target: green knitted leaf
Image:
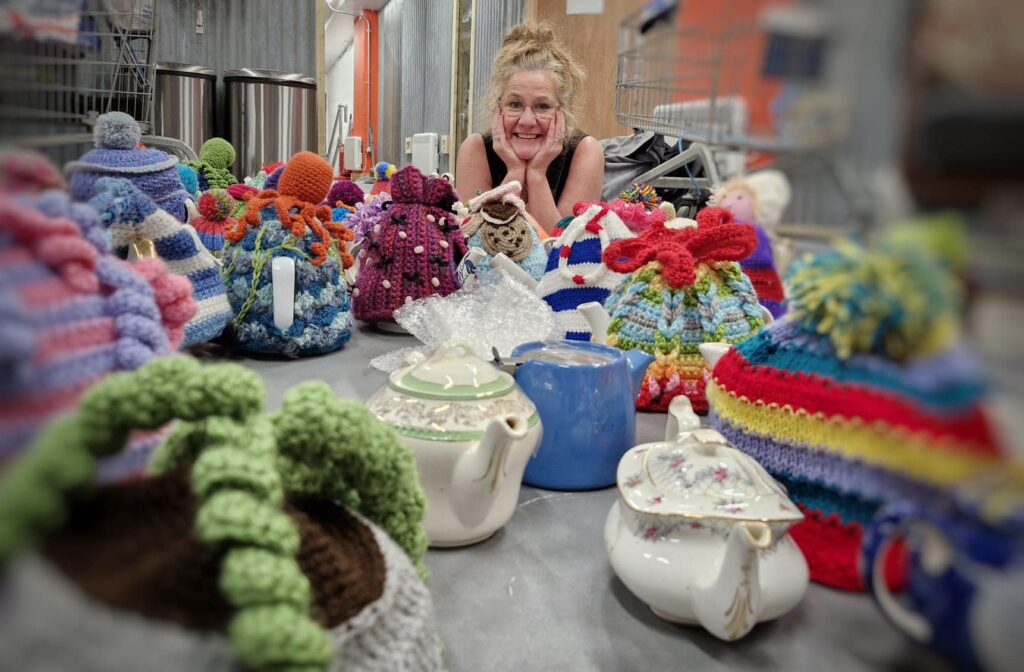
278 637
255 576
235 517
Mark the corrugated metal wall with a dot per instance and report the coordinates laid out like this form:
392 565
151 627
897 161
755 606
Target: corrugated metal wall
389 40
257 34
491 20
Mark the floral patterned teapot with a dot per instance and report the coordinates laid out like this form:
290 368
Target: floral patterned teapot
471 430
699 531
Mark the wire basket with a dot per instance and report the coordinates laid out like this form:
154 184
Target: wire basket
737 73
59 72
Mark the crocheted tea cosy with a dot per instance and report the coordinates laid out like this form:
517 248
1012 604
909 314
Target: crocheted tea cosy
859 396
412 252
759 199
575 273
248 557
212 167
343 198
215 209
273 177
23 170
71 314
382 174
117 154
290 224
498 222
684 288
189 180
134 219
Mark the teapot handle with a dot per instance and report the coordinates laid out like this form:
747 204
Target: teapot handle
889 525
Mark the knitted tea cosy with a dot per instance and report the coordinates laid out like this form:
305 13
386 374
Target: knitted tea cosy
244 551
575 273
71 314
189 180
382 173
759 199
498 222
857 397
412 252
343 198
23 170
273 177
212 168
215 209
684 288
135 220
117 154
290 224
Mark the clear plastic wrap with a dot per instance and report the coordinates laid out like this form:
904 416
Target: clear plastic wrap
496 312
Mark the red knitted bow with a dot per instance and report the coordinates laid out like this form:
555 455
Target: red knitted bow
716 238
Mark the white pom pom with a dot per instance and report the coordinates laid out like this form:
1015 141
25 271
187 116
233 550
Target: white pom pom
116 130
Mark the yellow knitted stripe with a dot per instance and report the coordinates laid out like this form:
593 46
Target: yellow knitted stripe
897 449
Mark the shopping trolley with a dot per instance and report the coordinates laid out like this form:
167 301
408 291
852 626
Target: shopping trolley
740 84
59 71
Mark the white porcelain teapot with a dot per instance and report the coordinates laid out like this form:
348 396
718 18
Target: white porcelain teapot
699 531
471 430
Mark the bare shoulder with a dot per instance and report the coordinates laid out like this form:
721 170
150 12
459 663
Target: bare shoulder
590 148
472 173
473 143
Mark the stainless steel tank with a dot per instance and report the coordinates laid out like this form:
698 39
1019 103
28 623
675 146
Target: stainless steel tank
184 103
270 116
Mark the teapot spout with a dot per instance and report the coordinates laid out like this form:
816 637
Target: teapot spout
730 605
480 472
598 319
501 261
681 418
712 352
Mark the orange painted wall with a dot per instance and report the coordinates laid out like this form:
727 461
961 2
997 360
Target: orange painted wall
361 104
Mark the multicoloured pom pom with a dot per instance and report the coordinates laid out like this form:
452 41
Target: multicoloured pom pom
644 194
216 204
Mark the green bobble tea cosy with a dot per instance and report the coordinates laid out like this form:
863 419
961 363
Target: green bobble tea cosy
283 541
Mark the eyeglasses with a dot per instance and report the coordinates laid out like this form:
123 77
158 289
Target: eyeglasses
514 109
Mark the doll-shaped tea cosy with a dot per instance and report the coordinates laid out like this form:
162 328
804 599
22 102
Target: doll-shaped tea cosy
412 251
759 199
213 166
263 542
137 225
684 288
382 173
498 223
858 396
289 223
575 273
119 154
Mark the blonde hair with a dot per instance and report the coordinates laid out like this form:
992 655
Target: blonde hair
533 46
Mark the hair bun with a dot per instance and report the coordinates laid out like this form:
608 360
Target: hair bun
530 32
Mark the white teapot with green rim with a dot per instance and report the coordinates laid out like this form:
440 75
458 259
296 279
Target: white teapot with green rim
699 531
471 430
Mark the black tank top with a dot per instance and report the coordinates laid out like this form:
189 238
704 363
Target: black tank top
558 171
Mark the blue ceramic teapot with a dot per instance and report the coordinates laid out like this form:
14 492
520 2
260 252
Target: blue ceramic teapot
584 394
964 585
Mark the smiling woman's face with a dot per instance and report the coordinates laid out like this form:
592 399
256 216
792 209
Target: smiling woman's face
526 133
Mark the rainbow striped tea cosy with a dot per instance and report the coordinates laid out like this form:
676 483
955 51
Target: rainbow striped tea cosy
498 223
575 273
413 249
684 288
861 395
289 223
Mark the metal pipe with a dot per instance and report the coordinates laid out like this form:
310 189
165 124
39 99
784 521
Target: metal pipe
369 131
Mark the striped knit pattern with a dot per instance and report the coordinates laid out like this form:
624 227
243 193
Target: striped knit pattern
129 213
649 315
575 273
70 315
414 252
846 436
322 320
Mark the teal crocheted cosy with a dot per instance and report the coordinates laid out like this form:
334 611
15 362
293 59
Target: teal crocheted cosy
245 463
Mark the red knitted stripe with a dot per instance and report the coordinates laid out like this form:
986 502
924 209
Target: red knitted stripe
75 338
766 283
42 404
816 394
47 293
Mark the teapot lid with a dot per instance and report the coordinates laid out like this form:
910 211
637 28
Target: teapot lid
699 475
453 372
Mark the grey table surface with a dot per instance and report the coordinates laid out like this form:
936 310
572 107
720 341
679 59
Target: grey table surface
540 594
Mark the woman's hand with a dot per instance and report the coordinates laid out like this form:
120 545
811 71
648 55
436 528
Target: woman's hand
554 144
503 149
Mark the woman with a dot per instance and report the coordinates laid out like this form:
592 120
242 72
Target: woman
533 138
